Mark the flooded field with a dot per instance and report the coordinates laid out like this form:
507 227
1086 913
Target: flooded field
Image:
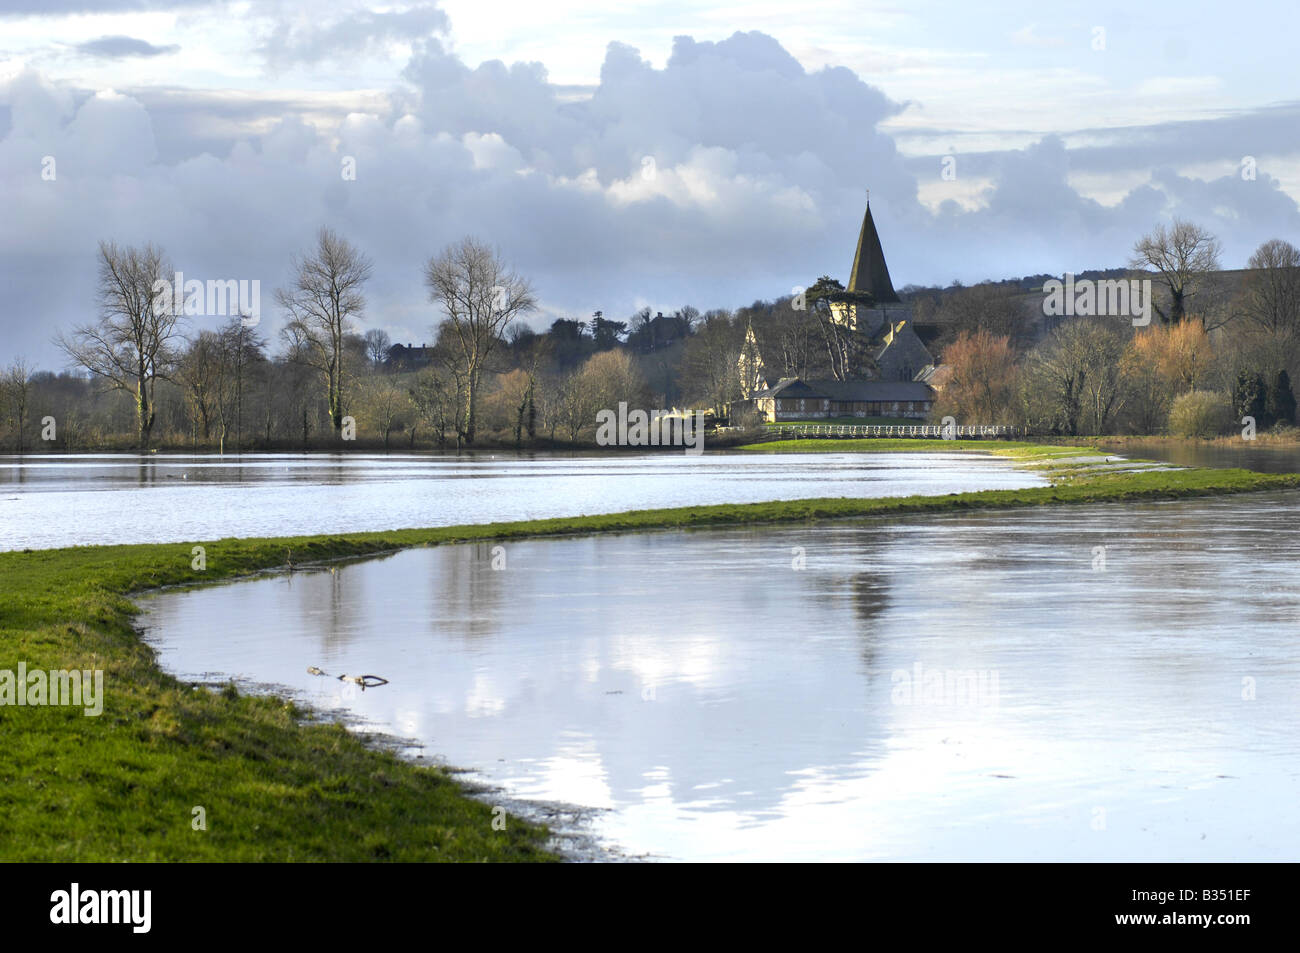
1078 683
48 501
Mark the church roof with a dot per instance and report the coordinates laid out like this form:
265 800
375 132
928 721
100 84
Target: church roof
870 273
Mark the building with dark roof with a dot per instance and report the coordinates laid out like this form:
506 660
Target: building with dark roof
408 358
882 319
795 399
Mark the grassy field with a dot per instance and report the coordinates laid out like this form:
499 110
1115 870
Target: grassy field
274 785
1016 449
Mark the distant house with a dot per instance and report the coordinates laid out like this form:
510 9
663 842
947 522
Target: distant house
657 333
795 399
408 358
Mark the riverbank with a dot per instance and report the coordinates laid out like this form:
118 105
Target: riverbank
273 784
1284 438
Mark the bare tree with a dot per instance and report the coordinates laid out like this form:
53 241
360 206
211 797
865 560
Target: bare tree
711 363
199 373
990 307
605 379
130 346
326 295
15 388
981 380
241 347
1073 378
387 406
1181 255
1271 298
377 344
787 342
576 404
480 296
437 398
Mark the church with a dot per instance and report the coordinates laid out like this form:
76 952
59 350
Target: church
882 374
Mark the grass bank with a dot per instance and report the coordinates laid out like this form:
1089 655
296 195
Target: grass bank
1015 449
274 785
1281 437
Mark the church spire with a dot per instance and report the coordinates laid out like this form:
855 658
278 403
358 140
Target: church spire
870 273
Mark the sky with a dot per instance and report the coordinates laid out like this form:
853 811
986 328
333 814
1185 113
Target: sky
632 154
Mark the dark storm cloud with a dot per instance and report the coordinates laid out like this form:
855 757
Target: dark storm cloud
189 122
1266 131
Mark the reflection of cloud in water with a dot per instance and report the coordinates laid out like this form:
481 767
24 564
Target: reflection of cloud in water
727 705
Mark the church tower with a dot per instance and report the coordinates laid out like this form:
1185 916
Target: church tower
870 274
899 353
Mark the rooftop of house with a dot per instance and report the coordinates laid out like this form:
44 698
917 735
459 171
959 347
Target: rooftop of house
861 391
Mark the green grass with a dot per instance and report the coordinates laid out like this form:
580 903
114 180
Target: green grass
122 786
275 786
1017 449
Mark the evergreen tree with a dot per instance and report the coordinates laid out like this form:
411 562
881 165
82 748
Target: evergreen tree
1249 398
1281 400
532 410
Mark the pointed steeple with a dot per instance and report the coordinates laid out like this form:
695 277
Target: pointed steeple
870 273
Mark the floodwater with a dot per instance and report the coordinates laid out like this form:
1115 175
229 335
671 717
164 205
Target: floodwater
1100 683
1248 456
48 501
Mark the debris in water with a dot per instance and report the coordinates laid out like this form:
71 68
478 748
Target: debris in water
365 681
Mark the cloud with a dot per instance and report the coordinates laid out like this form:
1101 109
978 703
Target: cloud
1029 35
728 174
53 8
304 38
120 47
1185 86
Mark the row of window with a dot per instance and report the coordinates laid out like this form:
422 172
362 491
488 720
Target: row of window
790 404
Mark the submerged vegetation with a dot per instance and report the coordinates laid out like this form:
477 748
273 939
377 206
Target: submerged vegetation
273 784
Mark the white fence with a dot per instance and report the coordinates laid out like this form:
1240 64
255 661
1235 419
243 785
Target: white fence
890 430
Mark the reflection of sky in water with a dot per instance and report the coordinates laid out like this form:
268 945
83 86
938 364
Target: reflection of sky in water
727 706
51 500
1256 455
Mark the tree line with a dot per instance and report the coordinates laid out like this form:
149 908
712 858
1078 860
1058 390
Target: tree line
1224 346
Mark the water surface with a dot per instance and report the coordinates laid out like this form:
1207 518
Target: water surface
84 499
1260 458
1122 682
